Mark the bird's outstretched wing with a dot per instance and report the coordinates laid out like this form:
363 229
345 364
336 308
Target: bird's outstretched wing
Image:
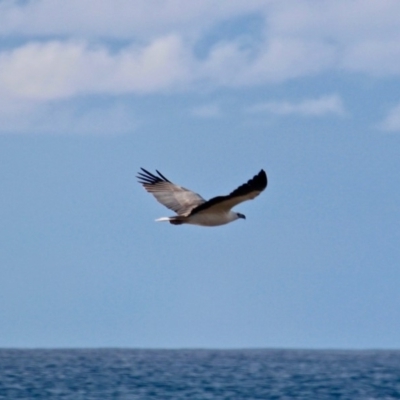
175 197
247 191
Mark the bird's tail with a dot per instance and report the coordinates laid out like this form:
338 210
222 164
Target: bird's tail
163 219
177 220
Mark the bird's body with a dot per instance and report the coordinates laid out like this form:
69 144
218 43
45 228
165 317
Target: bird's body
191 208
203 219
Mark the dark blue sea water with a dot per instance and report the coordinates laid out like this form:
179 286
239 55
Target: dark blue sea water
199 374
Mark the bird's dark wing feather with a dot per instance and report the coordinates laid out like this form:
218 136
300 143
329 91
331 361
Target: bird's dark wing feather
247 191
175 197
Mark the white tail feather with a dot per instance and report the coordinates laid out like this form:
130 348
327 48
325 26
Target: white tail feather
163 219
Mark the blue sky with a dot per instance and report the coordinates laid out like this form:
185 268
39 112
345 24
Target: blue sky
208 93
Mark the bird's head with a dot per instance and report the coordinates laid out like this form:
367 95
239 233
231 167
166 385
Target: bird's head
239 215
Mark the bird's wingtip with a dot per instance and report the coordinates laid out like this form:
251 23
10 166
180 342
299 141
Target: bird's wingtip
261 180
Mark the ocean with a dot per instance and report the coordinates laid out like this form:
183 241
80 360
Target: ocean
127 374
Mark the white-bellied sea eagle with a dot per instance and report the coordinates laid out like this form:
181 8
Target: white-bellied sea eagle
191 208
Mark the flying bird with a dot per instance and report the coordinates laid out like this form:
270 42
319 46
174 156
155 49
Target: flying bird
191 208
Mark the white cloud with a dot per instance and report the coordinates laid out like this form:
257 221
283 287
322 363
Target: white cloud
274 59
117 18
55 70
310 107
40 71
62 69
391 122
376 57
364 33
339 20
207 111
67 118
287 58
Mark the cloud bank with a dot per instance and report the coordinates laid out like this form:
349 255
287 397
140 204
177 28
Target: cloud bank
309 107
295 39
55 50
391 122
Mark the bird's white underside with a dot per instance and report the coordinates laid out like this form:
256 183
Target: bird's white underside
207 219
